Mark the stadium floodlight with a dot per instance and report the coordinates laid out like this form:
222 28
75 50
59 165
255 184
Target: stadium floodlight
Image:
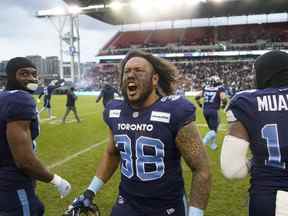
194 2
91 7
138 5
74 9
142 7
116 5
58 11
165 5
217 1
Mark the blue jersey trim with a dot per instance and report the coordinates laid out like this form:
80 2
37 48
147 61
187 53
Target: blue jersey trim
22 195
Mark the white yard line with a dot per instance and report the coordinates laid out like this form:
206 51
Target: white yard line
61 162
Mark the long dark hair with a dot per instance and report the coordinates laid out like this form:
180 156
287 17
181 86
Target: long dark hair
166 71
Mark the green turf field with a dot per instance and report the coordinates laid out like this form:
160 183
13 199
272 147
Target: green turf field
72 150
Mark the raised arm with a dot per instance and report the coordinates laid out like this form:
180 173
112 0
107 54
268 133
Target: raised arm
99 96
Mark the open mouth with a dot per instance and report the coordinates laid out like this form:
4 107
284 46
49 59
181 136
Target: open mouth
132 88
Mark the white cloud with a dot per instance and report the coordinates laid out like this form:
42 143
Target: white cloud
23 34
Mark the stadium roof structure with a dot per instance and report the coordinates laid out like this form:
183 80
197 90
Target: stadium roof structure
203 9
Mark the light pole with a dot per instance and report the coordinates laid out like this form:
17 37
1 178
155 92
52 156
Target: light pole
59 28
61 16
73 13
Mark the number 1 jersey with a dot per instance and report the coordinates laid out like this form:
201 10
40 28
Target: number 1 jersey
264 114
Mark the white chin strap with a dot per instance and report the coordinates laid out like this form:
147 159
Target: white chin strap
32 86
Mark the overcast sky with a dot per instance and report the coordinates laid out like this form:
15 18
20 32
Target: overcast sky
21 33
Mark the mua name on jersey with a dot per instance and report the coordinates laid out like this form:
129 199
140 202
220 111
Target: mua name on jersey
135 127
272 103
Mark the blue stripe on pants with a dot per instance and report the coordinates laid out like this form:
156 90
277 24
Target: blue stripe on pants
185 205
22 195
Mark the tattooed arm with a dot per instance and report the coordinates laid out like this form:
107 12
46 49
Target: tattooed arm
189 143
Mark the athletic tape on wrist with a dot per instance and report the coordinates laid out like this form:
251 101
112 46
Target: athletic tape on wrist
95 184
195 211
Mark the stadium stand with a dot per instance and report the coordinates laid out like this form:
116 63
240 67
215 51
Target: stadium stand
238 37
193 72
193 48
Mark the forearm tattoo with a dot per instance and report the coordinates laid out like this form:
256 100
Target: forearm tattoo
192 150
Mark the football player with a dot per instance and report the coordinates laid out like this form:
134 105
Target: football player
214 98
149 131
258 120
47 92
19 127
107 93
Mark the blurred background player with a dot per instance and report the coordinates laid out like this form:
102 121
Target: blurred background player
19 127
214 97
107 93
180 91
149 136
258 120
47 92
70 105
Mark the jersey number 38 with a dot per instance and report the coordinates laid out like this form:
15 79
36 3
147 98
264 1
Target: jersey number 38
141 159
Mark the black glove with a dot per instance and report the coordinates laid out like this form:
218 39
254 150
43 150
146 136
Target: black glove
83 203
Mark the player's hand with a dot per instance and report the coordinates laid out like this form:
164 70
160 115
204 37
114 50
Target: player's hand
62 185
83 204
85 200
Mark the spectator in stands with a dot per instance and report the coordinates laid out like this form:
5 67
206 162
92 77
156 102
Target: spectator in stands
70 105
193 73
107 93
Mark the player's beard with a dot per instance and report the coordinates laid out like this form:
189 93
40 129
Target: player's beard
146 89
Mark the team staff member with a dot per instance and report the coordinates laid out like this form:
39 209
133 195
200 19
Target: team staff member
70 105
